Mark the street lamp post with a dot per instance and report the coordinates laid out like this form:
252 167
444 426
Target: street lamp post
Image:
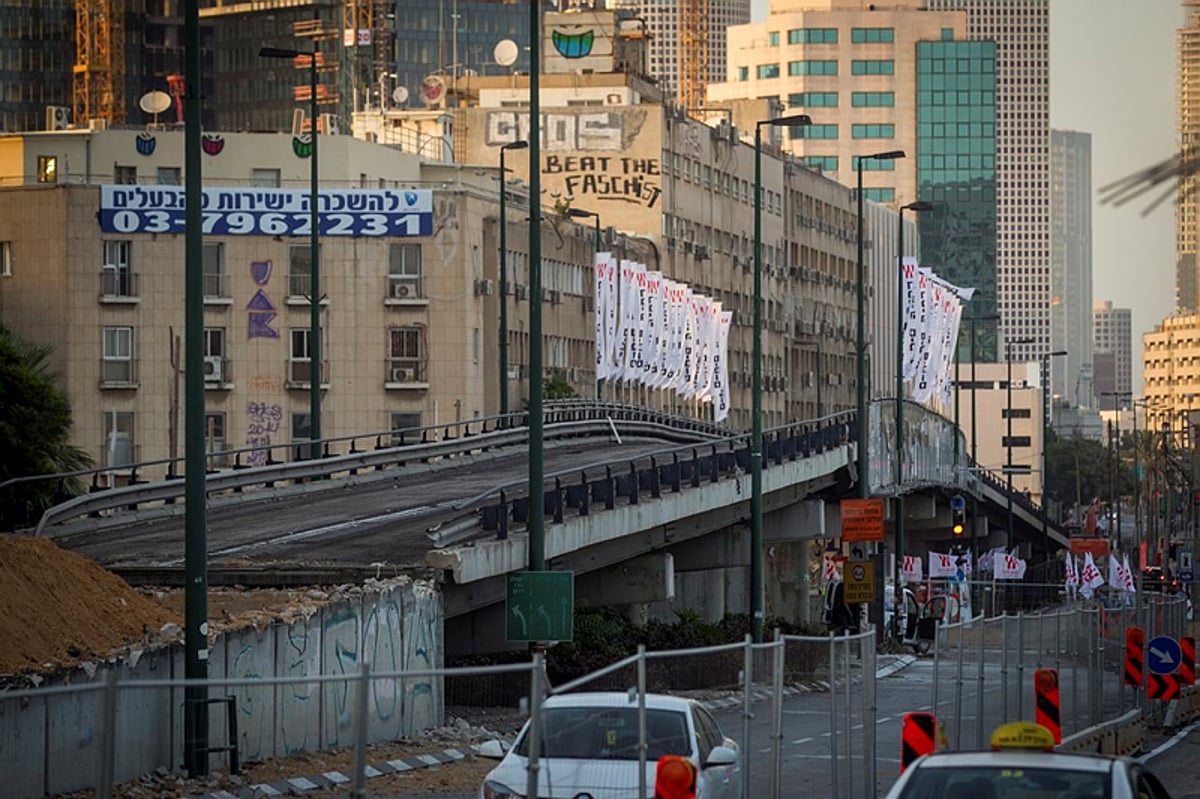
579 213
512 145
1046 434
864 483
1008 470
919 205
1117 495
757 599
314 333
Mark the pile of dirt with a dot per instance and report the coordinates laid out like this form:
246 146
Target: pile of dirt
58 608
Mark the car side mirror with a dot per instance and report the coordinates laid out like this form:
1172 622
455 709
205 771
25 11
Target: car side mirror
492 750
721 756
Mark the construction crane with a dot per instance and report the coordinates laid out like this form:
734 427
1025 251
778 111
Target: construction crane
693 52
98 77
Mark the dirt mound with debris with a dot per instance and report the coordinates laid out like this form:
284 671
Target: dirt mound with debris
58 608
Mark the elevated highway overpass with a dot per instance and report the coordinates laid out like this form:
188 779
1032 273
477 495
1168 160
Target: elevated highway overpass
646 508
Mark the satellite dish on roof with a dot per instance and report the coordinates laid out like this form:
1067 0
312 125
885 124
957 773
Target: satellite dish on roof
400 95
506 52
155 102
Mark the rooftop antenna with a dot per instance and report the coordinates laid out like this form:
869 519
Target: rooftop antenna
155 103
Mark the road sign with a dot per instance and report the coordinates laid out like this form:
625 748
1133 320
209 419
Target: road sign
862 519
957 502
540 606
1187 564
1163 655
859 579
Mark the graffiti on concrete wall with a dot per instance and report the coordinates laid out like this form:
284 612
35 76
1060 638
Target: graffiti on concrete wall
260 310
569 131
340 642
620 178
262 422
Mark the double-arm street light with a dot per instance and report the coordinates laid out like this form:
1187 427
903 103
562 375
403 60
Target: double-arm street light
521 144
919 205
757 600
1008 470
314 290
864 483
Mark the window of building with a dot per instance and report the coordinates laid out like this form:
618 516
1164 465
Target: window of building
125 175
872 35
406 362
873 99
168 176
813 132
773 39
118 439
399 422
6 258
766 71
826 163
214 439
265 178
117 365
213 268
116 273
871 67
404 272
873 131
300 363
301 431
813 36
743 73
813 100
1016 441
812 67
1017 413
873 164
880 195
47 169
214 355
299 270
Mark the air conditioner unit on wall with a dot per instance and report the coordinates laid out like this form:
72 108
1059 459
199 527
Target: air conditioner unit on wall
328 124
214 368
57 117
402 374
403 291
484 288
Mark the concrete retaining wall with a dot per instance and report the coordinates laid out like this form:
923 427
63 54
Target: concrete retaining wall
51 744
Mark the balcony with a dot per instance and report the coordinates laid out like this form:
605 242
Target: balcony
299 288
406 374
299 373
118 373
118 286
405 291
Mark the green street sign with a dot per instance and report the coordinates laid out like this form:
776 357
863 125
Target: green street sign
539 606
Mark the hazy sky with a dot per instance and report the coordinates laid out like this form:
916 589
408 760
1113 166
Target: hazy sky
1112 74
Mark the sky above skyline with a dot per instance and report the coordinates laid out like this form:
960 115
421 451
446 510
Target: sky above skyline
1112 74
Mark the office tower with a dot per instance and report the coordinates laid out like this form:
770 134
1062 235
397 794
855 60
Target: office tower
1187 286
1021 31
662 20
37 50
1113 335
1071 263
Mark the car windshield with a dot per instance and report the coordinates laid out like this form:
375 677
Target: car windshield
999 782
608 733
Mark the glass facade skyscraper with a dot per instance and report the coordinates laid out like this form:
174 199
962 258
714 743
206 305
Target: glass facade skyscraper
37 50
956 171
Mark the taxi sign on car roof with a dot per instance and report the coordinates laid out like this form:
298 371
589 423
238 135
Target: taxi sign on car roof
1023 735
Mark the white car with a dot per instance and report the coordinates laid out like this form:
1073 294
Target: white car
589 749
1021 771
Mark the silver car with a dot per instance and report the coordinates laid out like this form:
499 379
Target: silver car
589 748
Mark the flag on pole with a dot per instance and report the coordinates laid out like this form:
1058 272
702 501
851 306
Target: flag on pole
829 568
1009 567
602 265
910 569
721 373
1090 577
966 564
1114 572
1128 575
941 565
1071 582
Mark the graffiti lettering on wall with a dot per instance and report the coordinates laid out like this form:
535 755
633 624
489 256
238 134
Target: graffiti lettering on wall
261 309
565 131
630 180
266 383
262 421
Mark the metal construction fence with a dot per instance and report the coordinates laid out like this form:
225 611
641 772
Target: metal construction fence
979 674
984 668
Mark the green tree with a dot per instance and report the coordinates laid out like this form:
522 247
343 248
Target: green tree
555 387
1079 468
35 430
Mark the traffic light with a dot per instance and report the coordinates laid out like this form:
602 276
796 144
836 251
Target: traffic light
960 521
674 778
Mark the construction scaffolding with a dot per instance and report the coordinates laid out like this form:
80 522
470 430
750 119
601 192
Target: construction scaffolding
98 77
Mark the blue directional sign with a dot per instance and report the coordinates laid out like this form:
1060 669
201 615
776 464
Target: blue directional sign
1163 655
1187 564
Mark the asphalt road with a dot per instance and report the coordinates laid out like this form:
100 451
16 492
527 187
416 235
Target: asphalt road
384 520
